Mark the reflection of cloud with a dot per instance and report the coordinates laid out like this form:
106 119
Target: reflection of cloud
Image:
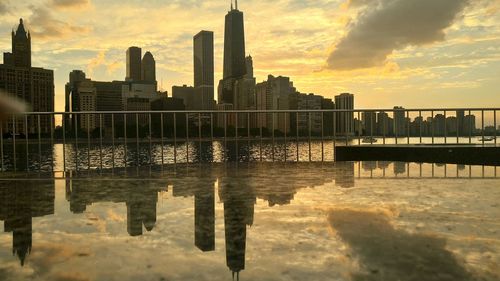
389 254
70 3
388 25
44 25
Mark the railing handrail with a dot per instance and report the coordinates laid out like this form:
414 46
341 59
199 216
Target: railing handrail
265 111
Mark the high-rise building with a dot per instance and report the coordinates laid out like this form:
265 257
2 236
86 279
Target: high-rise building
274 94
308 121
399 121
234 45
369 122
203 45
148 68
461 121
134 64
345 120
33 85
234 56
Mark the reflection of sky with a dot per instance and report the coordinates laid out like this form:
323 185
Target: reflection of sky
304 240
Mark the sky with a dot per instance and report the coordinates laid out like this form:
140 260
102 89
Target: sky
413 53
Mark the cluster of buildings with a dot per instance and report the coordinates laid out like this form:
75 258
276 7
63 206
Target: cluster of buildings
237 90
381 123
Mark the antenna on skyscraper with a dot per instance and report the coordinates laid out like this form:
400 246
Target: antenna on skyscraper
232 5
236 4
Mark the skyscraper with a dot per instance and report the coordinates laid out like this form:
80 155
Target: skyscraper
148 68
203 50
33 85
134 64
234 55
234 45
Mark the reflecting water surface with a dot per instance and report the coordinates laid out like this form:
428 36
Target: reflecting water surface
293 221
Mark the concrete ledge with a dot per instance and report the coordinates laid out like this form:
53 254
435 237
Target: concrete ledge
450 154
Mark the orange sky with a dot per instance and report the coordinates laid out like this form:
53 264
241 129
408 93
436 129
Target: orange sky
415 53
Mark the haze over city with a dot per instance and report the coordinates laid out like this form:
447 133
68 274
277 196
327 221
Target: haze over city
381 51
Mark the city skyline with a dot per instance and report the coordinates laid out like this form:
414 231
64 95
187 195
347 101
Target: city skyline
416 73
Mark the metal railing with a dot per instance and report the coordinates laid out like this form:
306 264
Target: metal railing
110 139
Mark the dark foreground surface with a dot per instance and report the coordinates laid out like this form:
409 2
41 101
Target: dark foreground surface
310 221
454 154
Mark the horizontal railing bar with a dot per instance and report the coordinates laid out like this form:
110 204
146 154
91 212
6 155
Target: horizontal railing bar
256 111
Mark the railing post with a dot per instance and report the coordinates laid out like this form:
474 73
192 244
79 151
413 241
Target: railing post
64 124
14 142
100 140
495 125
334 133
187 138
322 137
248 136
199 136
150 141
359 128
236 135
309 140
432 126
26 139
420 125
125 139
137 139
482 126
88 141
161 140
274 128
470 127
113 141
286 129
408 124
445 129
76 141
175 138
1 147
297 133
52 125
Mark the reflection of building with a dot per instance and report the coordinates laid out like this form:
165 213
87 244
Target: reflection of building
239 201
33 85
20 202
140 200
344 174
399 168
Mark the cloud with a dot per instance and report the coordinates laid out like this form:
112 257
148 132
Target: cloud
387 25
44 25
4 8
70 3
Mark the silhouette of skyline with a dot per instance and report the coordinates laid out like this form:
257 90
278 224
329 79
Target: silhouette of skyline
64 42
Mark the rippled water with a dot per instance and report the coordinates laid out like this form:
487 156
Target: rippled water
262 221
84 156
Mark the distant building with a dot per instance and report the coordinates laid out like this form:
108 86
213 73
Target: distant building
369 119
187 94
273 94
33 85
384 124
439 125
400 122
134 64
345 120
148 68
469 125
309 120
461 121
203 44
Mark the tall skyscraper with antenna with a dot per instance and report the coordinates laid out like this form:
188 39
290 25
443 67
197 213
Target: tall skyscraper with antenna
234 55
